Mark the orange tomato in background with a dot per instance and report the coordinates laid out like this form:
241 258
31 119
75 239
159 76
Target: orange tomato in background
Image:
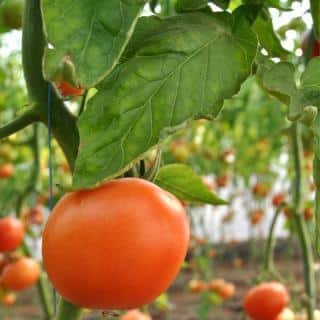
117 246
135 315
9 299
11 233
266 301
6 171
197 286
308 214
256 216
20 275
278 199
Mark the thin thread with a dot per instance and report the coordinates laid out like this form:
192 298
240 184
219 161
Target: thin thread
54 294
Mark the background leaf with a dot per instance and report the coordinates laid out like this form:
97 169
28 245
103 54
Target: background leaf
185 184
186 67
94 34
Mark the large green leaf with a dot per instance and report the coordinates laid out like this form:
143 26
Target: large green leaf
175 70
93 32
185 184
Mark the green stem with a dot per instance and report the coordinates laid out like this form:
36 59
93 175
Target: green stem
42 283
83 103
64 126
303 235
34 143
268 265
45 297
18 123
316 174
68 311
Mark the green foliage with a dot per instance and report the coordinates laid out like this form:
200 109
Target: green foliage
183 182
10 14
93 33
315 11
152 93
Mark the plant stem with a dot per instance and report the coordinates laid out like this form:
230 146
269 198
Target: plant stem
64 125
316 175
18 123
42 283
45 297
68 311
303 235
268 264
34 143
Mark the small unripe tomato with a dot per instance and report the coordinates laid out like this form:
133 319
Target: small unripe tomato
266 301
20 275
6 171
66 90
127 238
11 233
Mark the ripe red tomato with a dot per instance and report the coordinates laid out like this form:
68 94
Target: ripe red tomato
266 301
278 199
117 246
21 274
67 90
11 233
6 171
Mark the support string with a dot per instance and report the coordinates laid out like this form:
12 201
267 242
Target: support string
50 164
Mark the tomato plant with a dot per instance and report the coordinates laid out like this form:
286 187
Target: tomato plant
174 105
